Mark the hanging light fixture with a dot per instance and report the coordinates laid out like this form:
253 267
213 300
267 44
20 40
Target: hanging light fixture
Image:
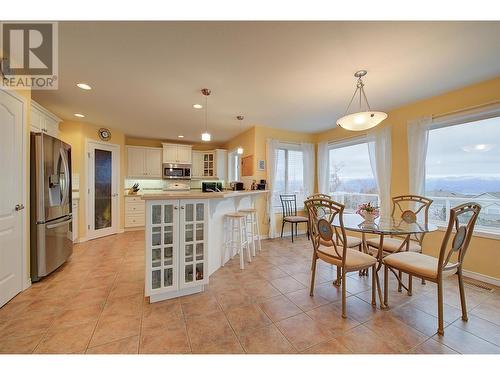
361 120
239 150
206 137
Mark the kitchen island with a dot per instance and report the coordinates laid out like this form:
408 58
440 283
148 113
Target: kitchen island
185 236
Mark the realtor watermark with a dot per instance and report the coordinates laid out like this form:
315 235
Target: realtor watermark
29 55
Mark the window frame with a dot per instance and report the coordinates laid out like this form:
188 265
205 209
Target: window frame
463 118
231 173
283 146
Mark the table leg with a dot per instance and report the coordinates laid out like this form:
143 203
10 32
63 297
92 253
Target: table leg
379 256
364 248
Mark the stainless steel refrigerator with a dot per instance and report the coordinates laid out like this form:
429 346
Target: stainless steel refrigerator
50 211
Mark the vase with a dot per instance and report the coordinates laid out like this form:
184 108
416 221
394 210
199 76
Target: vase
369 217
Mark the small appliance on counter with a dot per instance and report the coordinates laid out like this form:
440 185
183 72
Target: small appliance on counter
236 185
261 185
177 186
212 186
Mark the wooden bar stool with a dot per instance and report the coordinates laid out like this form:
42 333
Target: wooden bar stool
253 228
236 237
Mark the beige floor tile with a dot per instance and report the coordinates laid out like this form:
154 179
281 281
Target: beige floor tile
332 346
129 345
19 345
329 292
421 321
303 332
265 340
79 315
233 298
200 305
244 318
66 340
287 284
480 327
115 328
260 290
358 309
362 340
128 306
488 311
306 302
465 342
432 347
27 326
330 317
168 339
279 307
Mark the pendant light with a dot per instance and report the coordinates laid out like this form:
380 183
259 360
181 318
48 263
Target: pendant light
239 150
206 137
361 120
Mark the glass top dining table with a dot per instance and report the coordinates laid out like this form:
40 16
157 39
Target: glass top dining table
383 226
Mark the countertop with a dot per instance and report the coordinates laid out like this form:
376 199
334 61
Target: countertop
167 195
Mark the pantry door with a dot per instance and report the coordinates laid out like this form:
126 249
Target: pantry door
12 210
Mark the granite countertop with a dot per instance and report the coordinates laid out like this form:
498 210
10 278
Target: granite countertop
198 194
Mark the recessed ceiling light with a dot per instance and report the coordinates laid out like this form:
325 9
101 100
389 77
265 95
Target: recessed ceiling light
197 106
180 136
84 86
79 115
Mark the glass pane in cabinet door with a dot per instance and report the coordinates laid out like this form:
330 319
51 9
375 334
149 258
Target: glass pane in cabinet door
156 236
189 253
200 211
168 256
156 279
199 251
168 279
189 233
189 212
156 258
156 214
169 214
168 235
199 232
199 271
188 273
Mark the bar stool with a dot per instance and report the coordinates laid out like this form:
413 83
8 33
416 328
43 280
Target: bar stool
253 227
236 237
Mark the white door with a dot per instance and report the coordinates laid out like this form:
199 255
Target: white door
102 189
153 162
11 202
135 161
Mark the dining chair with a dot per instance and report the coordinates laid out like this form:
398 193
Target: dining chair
451 256
408 208
321 213
289 211
319 195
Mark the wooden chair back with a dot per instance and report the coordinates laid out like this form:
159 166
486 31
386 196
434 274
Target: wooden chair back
319 195
462 221
408 207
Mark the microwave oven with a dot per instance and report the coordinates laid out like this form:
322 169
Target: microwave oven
177 171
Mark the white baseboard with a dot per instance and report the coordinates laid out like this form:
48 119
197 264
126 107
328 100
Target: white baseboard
481 277
27 283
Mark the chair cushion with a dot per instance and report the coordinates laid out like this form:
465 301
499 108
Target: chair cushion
351 241
392 244
416 263
355 259
295 219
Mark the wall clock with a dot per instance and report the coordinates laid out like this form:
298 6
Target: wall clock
104 134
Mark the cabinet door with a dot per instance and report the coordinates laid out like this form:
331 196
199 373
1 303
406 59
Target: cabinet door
184 154
197 166
153 162
221 164
35 120
135 162
162 246
170 154
193 242
51 127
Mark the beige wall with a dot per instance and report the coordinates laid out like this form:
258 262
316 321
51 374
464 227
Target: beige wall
76 134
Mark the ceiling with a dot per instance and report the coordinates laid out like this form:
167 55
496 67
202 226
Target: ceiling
291 75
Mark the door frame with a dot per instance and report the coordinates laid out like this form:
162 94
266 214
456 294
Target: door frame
116 166
25 273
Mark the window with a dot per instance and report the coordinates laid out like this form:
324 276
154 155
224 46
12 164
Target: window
289 175
351 181
234 162
462 165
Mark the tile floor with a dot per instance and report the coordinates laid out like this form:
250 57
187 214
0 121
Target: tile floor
95 304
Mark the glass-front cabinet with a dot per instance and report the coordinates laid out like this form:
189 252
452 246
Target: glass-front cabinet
176 242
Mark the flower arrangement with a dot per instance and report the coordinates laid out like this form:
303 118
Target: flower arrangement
368 212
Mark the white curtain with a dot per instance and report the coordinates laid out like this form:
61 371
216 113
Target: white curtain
418 138
323 168
272 146
379 150
308 160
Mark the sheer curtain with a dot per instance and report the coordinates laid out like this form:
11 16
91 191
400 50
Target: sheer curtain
323 168
418 137
379 150
308 160
271 148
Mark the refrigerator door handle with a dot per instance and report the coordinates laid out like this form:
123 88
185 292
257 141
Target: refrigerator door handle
67 220
67 181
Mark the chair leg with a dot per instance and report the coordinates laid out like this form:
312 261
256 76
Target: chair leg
386 284
291 224
374 285
338 282
410 285
343 294
440 308
400 275
313 275
282 226
462 295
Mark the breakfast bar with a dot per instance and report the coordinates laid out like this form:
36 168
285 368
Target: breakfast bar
185 238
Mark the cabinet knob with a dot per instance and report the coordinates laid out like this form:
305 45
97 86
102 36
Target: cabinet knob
182 207
19 207
175 207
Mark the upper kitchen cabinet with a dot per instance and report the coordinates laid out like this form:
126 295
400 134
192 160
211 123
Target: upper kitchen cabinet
144 162
209 164
176 153
41 120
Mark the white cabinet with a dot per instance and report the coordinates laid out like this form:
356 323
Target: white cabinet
176 247
221 164
134 212
209 164
42 120
74 223
176 153
197 166
144 162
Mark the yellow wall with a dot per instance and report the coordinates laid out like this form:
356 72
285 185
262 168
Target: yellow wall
483 254
76 134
